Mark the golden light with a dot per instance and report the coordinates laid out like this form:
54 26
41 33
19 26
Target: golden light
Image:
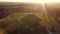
30 1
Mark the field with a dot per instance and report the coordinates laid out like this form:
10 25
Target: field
21 18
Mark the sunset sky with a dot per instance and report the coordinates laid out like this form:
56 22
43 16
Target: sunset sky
30 1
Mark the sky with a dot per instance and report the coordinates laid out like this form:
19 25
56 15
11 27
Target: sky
30 1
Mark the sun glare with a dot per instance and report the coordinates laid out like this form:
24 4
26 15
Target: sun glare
31 1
